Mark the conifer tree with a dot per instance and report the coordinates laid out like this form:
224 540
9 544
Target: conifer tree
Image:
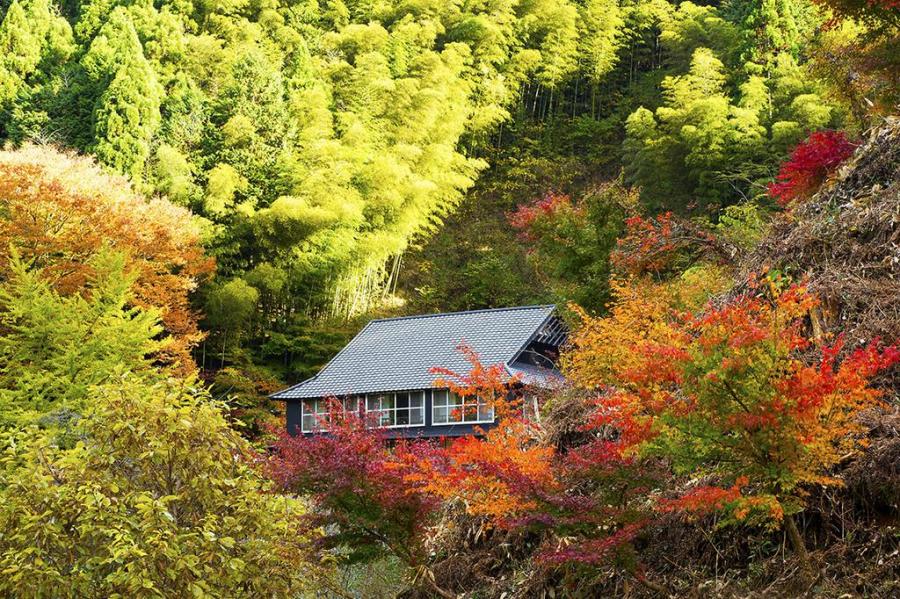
127 117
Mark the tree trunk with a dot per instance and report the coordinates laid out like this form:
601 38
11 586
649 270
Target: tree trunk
799 548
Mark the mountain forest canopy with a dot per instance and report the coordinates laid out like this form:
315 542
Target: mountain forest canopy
202 201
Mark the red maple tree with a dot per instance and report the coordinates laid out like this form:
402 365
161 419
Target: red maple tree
809 165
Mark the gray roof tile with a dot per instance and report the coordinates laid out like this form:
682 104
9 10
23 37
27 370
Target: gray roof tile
398 353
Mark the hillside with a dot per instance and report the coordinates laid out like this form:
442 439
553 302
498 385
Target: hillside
202 202
844 242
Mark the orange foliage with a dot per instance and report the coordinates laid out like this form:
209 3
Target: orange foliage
490 473
59 210
641 313
724 392
491 384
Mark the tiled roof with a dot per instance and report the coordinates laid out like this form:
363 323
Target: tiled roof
398 353
539 376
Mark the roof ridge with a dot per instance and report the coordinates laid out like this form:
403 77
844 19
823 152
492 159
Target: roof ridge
479 311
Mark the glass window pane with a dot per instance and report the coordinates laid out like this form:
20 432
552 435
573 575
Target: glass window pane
440 415
309 423
417 416
440 398
417 400
401 400
470 412
372 403
386 418
402 416
387 402
485 412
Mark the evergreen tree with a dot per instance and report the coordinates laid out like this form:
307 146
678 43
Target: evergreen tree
34 42
126 119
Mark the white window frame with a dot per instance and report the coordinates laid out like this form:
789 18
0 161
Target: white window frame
420 395
461 404
320 414
321 411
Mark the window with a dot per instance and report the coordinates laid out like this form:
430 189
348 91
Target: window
396 409
314 415
381 410
410 408
351 405
450 408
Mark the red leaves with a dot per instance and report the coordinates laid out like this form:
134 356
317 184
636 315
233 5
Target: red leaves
865 9
360 485
527 215
809 165
721 394
490 384
704 499
647 246
593 552
725 394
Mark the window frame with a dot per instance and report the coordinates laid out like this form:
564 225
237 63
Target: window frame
316 414
477 402
352 403
395 409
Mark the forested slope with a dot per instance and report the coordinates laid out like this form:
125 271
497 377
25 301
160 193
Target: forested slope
316 142
201 201
843 243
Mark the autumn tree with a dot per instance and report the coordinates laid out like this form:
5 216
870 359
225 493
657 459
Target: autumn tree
59 211
569 240
809 165
724 393
361 492
482 470
587 503
158 497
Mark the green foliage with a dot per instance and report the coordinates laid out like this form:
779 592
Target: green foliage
320 140
156 499
332 149
477 260
243 391
743 225
34 41
572 240
707 147
54 349
230 306
126 118
771 27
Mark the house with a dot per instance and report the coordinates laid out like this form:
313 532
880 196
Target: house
386 370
